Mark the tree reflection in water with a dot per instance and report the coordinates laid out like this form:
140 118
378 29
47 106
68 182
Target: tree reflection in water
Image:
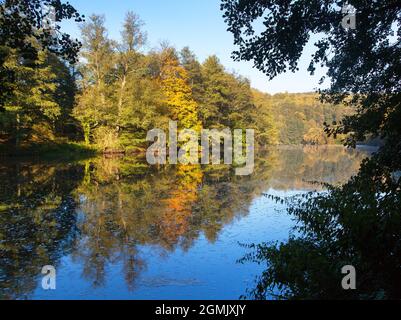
100 211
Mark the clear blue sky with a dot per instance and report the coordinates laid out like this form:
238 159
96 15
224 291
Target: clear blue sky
197 24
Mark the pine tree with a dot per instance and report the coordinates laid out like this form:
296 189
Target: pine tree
194 69
216 101
33 108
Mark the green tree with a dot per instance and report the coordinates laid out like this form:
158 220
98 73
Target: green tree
94 107
121 96
33 53
133 39
33 109
143 107
216 98
194 69
137 91
66 126
22 21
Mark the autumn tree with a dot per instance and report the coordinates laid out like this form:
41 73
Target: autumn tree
267 131
177 90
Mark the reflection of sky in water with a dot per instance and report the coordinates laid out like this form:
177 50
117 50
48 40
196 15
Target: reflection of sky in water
206 271
206 268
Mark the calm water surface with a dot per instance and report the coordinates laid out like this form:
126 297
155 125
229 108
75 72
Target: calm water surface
118 229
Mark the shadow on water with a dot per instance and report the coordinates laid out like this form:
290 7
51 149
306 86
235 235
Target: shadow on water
101 211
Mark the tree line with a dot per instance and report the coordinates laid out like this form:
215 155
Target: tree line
113 93
299 117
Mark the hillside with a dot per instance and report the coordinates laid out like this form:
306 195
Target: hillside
299 117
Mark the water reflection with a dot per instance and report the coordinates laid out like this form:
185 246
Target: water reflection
37 222
103 211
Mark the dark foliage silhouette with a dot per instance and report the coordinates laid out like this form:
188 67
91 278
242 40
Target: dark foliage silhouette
357 223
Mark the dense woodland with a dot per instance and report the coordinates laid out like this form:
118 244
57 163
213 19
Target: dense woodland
116 92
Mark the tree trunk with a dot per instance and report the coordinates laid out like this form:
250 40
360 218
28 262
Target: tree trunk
120 99
17 136
87 133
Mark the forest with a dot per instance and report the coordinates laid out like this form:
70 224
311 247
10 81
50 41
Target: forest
114 93
100 95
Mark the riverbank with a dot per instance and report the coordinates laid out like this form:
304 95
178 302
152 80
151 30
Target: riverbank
77 151
65 150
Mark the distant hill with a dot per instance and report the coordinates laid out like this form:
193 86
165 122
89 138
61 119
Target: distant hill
299 117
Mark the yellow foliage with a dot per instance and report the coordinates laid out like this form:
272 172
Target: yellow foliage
106 139
178 93
315 136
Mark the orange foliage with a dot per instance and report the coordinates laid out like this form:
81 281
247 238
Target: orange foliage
175 220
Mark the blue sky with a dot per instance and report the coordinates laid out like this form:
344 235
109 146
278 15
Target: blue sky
197 24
